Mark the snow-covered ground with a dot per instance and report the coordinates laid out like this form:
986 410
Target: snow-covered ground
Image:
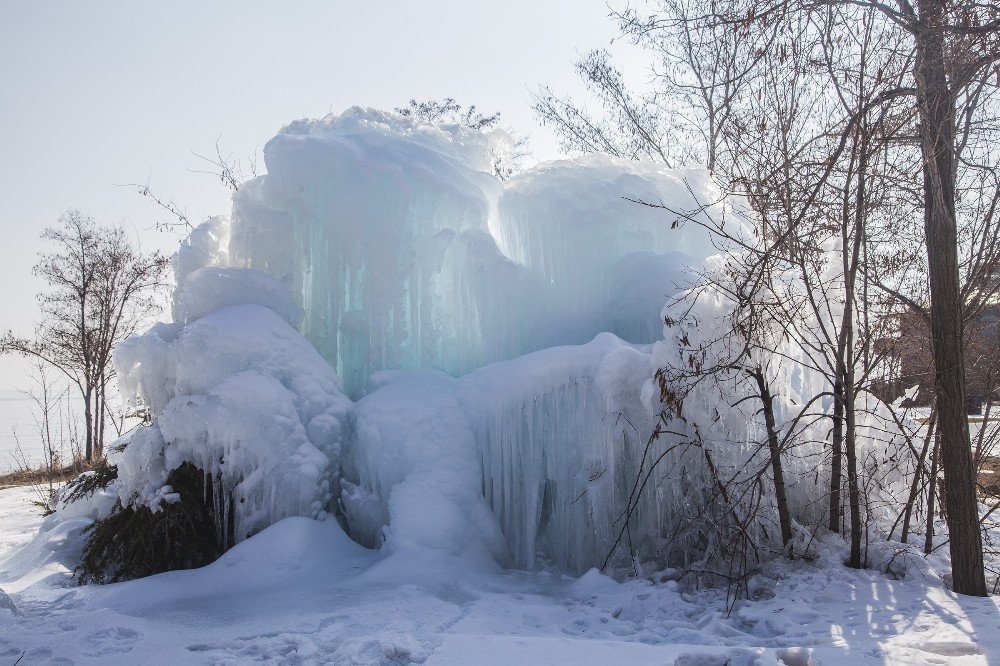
301 592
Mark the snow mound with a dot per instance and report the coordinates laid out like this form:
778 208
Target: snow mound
294 550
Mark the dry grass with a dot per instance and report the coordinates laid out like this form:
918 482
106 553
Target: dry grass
42 475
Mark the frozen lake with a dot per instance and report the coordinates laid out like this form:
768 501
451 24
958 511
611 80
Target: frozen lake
17 422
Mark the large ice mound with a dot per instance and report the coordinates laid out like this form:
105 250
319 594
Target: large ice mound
495 338
407 252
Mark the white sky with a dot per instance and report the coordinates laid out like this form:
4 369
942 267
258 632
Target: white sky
93 94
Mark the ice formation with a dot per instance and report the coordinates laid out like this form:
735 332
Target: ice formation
442 295
245 398
407 252
704 329
610 262
356 215
548 441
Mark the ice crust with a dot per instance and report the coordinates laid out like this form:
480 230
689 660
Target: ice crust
206 245
208 289
493 336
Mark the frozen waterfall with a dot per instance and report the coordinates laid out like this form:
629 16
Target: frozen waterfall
493 339
406 252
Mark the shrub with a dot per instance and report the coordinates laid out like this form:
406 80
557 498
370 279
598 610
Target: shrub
133 542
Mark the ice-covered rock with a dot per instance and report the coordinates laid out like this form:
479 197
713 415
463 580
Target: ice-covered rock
245 398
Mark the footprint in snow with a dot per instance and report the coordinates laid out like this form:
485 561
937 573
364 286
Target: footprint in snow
113 640
40 656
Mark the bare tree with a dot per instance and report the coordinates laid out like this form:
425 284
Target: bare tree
449 111
814 110
228 169
101 288
506 158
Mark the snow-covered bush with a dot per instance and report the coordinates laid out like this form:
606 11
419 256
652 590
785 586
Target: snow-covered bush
246 424
243 397
744 375
137 541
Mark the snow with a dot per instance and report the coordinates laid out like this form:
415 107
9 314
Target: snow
302 592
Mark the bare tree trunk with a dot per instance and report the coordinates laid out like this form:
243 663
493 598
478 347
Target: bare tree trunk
88 417
915 484
936 104
853 490
836 471
846 362
931 490
774 448
101 414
